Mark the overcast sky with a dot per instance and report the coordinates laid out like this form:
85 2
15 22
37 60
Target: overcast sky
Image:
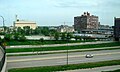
56 12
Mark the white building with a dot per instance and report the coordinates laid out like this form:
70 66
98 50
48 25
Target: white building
65 28
23 23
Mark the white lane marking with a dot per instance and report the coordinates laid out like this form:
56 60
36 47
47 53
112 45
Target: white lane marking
35 59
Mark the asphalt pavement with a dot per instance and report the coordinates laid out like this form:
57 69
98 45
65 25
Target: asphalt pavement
61 59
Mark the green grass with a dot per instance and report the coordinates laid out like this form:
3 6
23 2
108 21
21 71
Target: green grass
37 42
112 71
66 67
63 47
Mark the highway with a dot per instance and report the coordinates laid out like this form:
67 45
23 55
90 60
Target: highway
60 59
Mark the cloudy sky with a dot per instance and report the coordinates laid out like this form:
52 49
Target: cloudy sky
56 12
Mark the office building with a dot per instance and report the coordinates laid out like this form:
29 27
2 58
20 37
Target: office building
117 29
85 21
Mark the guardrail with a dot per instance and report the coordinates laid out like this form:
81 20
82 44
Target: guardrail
3 58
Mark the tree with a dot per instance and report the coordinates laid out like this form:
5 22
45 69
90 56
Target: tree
77 37
8 37
45 31
63 36
20 30
56 36
22 38
37 31
27 30
69 36
42 40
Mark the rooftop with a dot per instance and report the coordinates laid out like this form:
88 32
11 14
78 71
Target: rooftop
23 21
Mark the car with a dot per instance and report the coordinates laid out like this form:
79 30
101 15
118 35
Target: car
89 56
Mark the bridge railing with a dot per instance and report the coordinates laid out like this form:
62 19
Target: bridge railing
2 61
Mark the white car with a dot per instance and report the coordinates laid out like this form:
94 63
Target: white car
89 56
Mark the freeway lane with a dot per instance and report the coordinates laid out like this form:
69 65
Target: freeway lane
60 59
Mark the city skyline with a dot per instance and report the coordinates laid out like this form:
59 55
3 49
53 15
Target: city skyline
56 12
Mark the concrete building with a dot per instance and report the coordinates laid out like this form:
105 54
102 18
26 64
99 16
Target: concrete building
117 29
104 27
85 21
65 28
21 23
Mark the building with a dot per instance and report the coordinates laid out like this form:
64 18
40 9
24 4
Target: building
65 28
85 21
104 27
23 23
1 29
117 29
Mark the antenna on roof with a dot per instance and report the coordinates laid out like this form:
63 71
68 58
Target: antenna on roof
16 18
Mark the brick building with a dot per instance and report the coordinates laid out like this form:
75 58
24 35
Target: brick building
117 29
85 21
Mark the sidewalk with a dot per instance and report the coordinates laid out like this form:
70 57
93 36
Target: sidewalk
59 51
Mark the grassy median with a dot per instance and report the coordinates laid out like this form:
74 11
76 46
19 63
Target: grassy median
44 42
112 71
66 67
63 47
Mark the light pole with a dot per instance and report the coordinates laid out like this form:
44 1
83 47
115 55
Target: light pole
67 53
3 22
68 37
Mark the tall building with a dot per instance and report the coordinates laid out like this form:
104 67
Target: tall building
117 29
85 21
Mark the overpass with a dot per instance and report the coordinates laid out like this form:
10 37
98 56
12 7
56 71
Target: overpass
2 59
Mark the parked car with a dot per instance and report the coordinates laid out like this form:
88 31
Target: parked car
89 56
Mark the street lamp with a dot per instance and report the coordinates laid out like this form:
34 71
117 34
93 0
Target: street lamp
67 54
3 22
67 48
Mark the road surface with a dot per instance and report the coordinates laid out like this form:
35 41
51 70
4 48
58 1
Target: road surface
60 59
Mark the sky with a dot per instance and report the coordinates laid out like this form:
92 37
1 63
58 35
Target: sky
56 12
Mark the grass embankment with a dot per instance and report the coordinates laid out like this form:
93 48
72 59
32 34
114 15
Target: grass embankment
38 42
112 71
67 67
63 47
